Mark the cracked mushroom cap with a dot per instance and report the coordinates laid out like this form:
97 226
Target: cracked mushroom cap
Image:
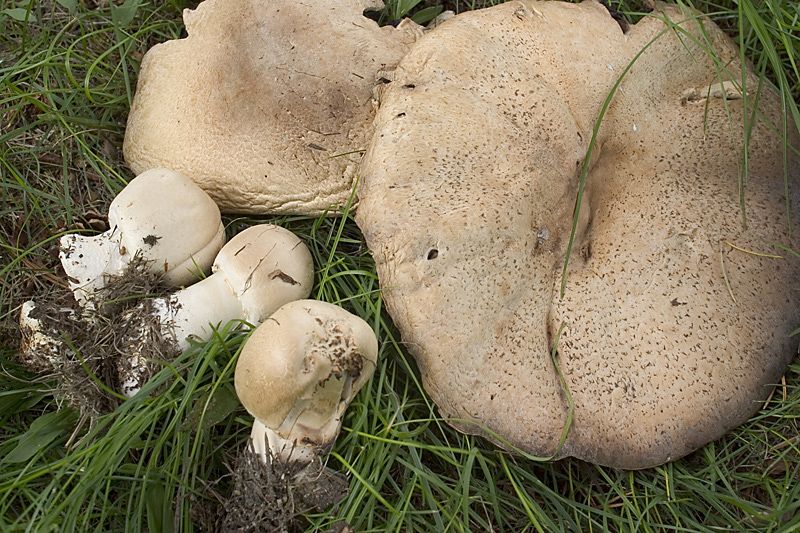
676 314
267 105
265 266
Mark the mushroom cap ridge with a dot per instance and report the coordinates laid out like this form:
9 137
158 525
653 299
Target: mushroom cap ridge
466 201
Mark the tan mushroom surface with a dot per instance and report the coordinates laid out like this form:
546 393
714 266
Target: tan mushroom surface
676 314
266 104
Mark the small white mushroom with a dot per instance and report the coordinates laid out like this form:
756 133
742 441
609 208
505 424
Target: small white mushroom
297 374
161 215
259 270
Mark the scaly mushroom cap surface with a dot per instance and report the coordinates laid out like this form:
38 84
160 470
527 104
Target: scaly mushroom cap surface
267 105
673 331
301 368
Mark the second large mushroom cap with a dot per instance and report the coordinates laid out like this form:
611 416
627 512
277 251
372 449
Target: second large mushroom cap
676 314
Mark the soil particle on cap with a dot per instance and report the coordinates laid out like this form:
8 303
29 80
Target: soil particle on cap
151 240
338 345
283 276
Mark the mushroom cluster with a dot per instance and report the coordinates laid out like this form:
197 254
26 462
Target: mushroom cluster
161 220
259 270
297 373
537 180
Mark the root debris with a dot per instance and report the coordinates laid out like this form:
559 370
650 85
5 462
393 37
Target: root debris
272 496
88 343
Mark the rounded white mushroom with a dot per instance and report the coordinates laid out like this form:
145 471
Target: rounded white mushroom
259 270
161 215
297 374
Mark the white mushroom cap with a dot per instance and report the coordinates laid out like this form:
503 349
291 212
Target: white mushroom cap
163 216
299 371
266 266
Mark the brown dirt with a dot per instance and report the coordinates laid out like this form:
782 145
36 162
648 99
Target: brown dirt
272 496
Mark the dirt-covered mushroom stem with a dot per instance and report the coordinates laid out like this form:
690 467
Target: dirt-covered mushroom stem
297 374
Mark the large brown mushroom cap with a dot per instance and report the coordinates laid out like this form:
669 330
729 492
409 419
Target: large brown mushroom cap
266 104
672 334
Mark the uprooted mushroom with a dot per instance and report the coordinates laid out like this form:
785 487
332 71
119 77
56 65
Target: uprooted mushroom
163 218
296 375
259 270
267 105
163 230
675 317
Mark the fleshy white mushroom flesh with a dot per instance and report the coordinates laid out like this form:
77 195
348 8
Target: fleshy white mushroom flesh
162 216
298 372
259 270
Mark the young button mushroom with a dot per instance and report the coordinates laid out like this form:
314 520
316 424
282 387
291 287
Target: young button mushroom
297 374
161 215
259 270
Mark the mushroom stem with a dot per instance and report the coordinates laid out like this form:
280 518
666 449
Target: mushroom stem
266 441
197 309
38 348
289 450
88 260
260 439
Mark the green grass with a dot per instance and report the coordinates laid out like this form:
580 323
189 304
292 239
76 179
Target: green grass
161 462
